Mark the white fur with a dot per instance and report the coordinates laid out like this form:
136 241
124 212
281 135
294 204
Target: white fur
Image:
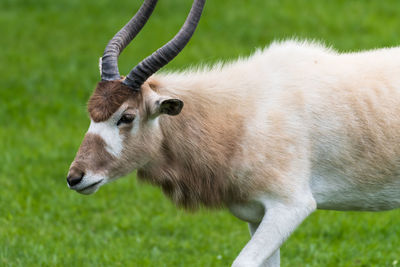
275 259
336 192
264 83
275 224
88 180
100 65
261 86
109 132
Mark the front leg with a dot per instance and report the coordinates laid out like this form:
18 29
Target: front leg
275 259
280 219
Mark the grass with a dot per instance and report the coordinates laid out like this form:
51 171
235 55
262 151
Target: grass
49 54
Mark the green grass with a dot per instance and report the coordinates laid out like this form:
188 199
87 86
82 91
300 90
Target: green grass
49 54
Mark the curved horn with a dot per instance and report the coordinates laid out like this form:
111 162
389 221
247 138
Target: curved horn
169 51
109 61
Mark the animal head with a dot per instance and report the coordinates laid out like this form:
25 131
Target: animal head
124 133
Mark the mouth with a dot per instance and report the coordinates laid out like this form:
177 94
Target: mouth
90 188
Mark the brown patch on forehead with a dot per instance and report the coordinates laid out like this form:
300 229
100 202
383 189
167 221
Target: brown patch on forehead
108 97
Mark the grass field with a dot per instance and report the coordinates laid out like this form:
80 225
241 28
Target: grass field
49 54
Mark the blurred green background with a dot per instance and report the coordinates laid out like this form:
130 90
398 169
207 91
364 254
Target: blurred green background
49 54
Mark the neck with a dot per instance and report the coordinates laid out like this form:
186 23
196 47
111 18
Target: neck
198 156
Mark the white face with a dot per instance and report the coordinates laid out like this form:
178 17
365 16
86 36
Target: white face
127 140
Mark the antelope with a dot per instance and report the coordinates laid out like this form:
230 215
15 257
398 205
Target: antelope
293 128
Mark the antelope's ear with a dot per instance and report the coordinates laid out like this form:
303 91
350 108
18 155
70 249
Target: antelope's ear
164 105
171 106
160 104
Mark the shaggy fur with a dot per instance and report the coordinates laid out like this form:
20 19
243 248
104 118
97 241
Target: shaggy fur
245 124
272 137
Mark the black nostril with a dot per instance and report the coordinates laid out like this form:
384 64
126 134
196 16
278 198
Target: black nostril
74 179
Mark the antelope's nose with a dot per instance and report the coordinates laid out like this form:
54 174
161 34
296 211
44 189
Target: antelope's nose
74 177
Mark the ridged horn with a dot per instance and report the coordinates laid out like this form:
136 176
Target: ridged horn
169 51
109 61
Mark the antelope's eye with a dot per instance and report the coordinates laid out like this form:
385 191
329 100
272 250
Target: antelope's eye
125 119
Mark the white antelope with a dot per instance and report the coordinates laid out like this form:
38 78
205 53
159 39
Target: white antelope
273 137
